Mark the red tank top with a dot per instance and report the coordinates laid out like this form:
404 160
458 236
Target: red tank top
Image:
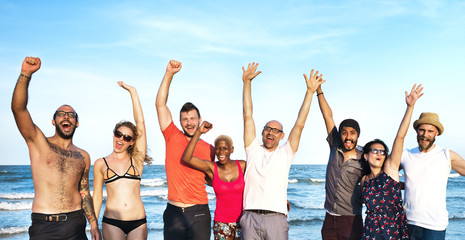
228 197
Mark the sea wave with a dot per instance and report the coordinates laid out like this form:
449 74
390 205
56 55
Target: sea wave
456 215
308 205
17 195
297 221
155 182
9 206
161 193
13 230
306 180
156 225
317 180
454 175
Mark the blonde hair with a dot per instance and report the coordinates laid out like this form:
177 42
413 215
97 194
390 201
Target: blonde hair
132 151
225 138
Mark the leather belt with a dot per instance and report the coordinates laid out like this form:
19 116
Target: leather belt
59 217
263 212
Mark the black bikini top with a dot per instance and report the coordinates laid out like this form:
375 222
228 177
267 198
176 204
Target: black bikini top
135 174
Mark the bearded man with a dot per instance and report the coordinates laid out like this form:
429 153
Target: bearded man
427 168
60 170
343 201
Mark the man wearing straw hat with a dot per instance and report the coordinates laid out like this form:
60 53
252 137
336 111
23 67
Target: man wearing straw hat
427 168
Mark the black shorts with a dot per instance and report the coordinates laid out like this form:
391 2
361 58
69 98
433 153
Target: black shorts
70 226
191 223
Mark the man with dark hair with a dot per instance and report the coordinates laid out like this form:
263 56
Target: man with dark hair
427 168
266 177
187 215
60 170
343 201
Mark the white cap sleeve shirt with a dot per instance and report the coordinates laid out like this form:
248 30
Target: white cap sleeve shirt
266 177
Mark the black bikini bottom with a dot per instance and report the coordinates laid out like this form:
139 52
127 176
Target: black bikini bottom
125 226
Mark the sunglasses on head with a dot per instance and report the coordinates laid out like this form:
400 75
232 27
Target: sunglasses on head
376 151
126 137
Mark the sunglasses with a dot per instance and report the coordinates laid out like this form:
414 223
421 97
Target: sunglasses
126 137
376 151
274 130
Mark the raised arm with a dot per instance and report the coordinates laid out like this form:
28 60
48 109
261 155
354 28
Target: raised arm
391 166
87 203
249 124
313 82
141 141
164 114
325 110
26 126
205 166
458 163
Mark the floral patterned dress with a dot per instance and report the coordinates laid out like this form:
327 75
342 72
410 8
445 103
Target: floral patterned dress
385 216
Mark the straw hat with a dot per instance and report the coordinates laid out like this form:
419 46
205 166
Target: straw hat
429 118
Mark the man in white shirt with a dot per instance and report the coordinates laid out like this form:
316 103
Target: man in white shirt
427 169
266 177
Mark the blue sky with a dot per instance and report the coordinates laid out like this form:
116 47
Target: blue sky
370 52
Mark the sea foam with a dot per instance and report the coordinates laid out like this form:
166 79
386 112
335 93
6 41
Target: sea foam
13 230
17 195
155 182
9 206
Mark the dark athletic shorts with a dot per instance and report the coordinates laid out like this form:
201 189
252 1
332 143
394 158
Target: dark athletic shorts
70 226
191 223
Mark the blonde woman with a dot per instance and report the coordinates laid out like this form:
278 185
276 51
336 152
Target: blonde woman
124 216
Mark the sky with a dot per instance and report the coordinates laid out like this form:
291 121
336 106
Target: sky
369 52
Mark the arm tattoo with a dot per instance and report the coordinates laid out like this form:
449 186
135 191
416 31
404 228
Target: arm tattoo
87 204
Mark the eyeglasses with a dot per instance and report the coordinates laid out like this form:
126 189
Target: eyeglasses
126 137
274 130
63 113
380 151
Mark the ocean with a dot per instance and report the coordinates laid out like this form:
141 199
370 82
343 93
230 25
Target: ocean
306 195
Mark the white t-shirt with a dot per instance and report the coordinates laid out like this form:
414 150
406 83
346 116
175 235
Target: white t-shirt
426 176
266 177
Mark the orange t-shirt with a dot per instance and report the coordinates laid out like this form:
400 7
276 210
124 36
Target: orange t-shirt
185 184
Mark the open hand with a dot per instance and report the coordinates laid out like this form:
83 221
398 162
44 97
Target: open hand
125 86
414 95
314 81
251 72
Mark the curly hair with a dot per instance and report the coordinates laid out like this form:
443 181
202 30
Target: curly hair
132 151
225 138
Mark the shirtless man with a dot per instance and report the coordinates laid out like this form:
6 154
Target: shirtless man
60 170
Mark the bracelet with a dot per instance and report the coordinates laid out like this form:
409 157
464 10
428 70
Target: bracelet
22 75
319 94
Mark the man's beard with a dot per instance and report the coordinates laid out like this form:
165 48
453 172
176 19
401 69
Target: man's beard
425 147
62 134
354 146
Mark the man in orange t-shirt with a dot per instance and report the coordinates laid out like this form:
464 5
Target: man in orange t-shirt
187 215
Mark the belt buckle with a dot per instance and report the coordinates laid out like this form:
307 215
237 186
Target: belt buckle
65 217
59 218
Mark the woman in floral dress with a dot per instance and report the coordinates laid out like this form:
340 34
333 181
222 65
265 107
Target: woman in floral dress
385 215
